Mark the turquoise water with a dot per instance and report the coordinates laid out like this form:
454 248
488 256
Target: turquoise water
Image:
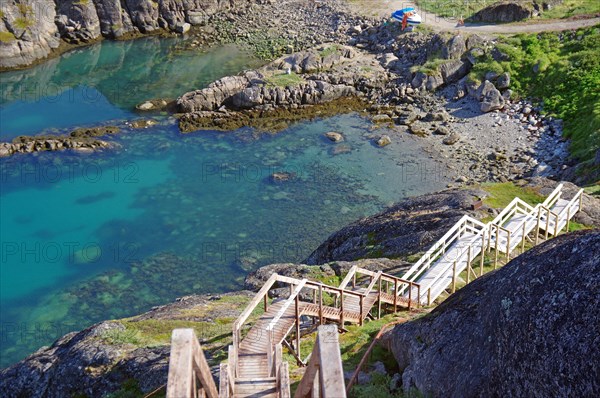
107 235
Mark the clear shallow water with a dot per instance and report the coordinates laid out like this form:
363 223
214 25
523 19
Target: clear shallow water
91 237
105 82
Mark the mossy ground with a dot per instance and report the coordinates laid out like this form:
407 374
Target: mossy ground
284 80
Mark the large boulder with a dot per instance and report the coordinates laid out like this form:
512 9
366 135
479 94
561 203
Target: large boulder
454 48
529 329
408 227
453 71
491 98
505 12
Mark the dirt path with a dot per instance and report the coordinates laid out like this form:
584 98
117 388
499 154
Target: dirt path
384 8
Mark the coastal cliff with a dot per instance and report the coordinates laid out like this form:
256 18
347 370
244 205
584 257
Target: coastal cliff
32 30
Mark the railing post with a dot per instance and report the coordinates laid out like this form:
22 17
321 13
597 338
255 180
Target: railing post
429 296
497 241
354 280
547 225
297 305
523 240
482 254
266 299
269 352
379 300
320 304
568 218
508 246
341 308
454 276
396 296
410 287
360 299
537 227
469 255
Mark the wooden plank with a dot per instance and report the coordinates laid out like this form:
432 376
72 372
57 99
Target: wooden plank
284 381
187 362
223 381
331 377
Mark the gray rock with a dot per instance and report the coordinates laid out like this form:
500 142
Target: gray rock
381 119
419 128
503 81
334 136
475 41
454 48
146 106
419 80
512 331
451 139
453 71
408 227
442 130
396 382
183 28
384 140
434 82
28 44
504 12
491 99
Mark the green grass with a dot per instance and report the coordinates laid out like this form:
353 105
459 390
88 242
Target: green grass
330 50
567 81
23 23
593 190
570 8
431 67
284 80
6 37
458 8
501 194
454 8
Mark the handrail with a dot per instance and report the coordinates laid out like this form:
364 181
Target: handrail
551 198
348 277
434 252
286 305
324 367
186 364
254 302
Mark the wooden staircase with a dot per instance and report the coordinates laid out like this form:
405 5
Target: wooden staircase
255 366
439 267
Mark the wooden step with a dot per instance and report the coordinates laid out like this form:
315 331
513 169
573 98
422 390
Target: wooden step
256 387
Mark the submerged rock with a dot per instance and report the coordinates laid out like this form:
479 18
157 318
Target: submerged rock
334 136
528 329
384 140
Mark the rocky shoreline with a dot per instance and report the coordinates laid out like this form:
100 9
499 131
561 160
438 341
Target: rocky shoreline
475 131
30 34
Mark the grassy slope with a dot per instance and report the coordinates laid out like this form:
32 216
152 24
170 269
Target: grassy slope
567 80
457 8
